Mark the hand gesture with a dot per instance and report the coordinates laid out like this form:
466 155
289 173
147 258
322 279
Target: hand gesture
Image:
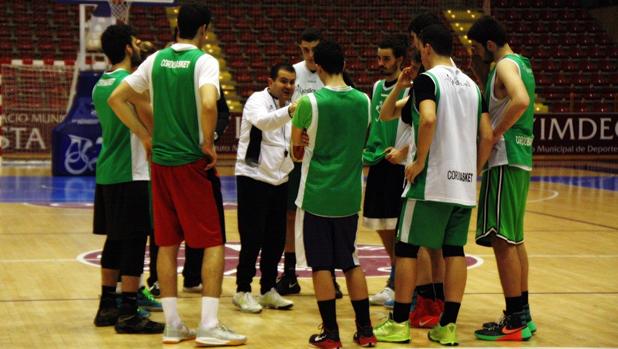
394 156
413 169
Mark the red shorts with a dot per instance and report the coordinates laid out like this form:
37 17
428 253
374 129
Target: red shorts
184 206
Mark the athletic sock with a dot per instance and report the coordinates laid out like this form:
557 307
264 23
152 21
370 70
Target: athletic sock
328 311
210 312
513 305
129 303
289 264
401 311
361 311
170 311
524 298
425 291
451 310
438 289
108 291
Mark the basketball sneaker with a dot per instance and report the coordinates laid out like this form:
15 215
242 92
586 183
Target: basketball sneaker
529 322
382 297
107 314
287 284
218 336
326 339
147 301
246 302
364 336
426 313
445 335
513 327
134 323
154 289
391 331
273 300
177 334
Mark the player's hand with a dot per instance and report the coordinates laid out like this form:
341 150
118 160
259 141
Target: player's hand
292 109
147 143
413 170
304 138
210 154
394 156
406 77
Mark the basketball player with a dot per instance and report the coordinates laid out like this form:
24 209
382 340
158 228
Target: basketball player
262 167
329 197
385 151
122 197
500 223
429 291
184 87
442 183
307 81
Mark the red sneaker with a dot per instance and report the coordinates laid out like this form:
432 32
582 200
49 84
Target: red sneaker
364 337
424 314
326 340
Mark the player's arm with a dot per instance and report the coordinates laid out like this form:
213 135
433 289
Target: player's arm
396 156
486 141
391 108
300 122
119 102
508 73
256 112
426 130
208 119
144 110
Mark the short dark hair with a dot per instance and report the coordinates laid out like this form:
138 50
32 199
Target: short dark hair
439 38
397 43
274 71
329 55
191 17
423 21
114 40
488 28
310 34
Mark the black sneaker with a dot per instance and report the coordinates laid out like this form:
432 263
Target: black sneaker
513 327
108 313
137 324
326 340
338 293
287 285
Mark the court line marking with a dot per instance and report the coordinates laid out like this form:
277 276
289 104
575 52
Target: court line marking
572 219
553 195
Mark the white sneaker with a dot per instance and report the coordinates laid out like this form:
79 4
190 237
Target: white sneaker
246 302
177 334
273 300
219 335
384 296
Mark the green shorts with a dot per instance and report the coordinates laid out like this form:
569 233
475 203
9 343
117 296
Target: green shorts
502 204
293 184
433 224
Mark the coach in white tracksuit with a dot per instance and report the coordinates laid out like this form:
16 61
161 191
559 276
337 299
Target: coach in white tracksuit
262 167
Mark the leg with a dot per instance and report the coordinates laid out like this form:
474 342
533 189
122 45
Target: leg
523 261
388 240
275 233
509 269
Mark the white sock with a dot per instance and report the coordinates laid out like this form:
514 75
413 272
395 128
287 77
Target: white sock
170 311
210 309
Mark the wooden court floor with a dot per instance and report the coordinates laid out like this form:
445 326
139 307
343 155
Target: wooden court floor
48 299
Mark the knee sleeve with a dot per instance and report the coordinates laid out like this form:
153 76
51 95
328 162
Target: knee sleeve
452 251
132 260
110 257
405 250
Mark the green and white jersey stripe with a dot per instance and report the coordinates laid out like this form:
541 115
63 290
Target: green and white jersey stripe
450 170
122 157
336 120
515 146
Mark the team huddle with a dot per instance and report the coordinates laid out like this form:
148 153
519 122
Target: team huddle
426 133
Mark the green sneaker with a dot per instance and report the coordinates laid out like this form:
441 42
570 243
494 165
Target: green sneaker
147 301
531 324
391 331
445 335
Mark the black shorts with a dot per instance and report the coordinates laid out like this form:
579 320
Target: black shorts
385 183
330 242
293 184
122 211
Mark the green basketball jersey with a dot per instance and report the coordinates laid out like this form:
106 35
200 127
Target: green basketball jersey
122 157
515 147
336 120
177 133
382 134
